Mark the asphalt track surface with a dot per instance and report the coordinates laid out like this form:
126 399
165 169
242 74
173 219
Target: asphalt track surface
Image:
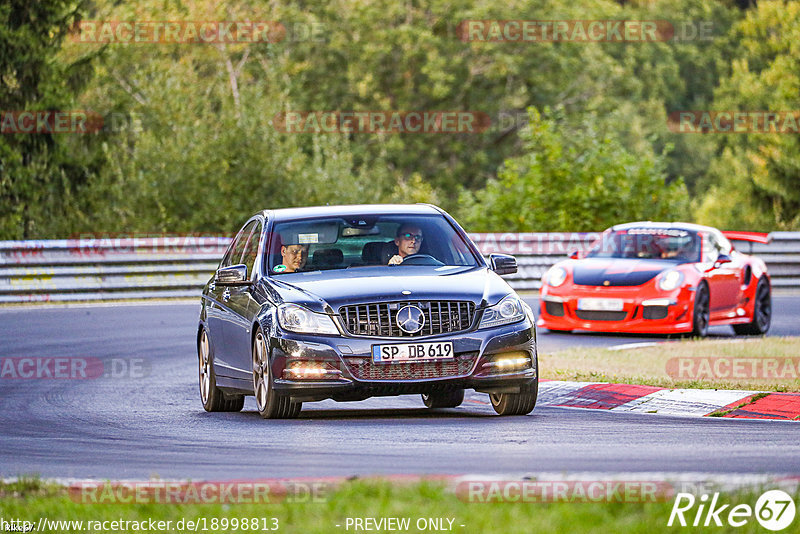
149 421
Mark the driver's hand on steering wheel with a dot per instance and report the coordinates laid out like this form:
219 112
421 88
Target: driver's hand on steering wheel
397 259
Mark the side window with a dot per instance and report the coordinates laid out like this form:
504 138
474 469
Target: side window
235 252
251 250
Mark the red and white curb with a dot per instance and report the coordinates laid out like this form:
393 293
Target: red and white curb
658 400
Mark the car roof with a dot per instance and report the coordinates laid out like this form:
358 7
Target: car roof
286 214
677 225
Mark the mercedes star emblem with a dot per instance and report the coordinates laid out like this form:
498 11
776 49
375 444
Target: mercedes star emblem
410 319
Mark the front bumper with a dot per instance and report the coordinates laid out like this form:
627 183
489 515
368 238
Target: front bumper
350 373
642 312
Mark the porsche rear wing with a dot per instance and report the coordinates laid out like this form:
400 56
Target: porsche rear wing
752 237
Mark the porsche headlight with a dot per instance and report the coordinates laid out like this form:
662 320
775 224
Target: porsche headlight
670 280
555 276
508 310
295 318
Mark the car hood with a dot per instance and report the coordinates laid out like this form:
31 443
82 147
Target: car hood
617 271
318 290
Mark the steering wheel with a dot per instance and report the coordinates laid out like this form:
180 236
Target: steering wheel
421 259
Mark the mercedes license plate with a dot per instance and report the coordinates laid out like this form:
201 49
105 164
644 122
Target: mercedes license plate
413 352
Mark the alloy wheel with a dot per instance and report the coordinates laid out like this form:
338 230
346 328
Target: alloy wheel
204 360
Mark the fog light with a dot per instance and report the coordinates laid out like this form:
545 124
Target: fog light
310 370
510 360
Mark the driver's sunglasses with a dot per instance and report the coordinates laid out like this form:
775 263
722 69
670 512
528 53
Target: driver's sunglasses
409 237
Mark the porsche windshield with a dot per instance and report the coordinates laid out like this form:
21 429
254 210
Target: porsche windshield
345 242
648 243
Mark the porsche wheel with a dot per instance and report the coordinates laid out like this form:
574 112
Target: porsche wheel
515 403
270 405
762 312
213 398
443 399
701 314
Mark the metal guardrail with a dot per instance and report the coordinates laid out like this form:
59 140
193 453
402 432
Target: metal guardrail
107 268
162 267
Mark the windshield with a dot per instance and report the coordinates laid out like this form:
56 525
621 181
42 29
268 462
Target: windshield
648 243
347 242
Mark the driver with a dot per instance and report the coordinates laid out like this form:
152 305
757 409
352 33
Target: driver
294 257
408 241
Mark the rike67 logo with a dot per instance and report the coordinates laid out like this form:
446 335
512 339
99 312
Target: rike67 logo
774 510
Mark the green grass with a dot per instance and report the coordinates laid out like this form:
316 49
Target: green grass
30 500
649 365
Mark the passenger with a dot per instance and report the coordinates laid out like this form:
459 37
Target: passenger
408 241
294 257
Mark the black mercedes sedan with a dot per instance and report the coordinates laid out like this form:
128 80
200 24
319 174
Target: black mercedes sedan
351 302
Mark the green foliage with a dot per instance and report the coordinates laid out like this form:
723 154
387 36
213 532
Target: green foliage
37 173
191 147
573 177
753 184
197 150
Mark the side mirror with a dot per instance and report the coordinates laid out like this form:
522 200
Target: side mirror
234 275
503 264
721 260
575 255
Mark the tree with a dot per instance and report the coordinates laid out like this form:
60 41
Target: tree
572 178
752 183
196 149
38 174
206 151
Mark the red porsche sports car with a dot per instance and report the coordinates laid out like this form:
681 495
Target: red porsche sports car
659 278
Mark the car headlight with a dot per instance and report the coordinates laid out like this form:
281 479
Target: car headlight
295 318
555 276
508 310
670 280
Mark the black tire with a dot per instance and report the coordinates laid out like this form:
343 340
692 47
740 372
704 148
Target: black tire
443 399
762 312
213 398
269 404
701 313
521 403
